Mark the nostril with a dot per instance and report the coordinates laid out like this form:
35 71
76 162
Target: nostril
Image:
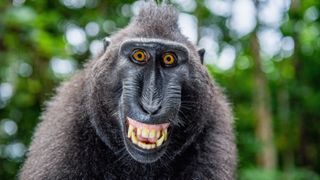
151 109
157 110
144 109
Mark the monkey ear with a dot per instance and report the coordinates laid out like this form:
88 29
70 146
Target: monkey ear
106 43
201 54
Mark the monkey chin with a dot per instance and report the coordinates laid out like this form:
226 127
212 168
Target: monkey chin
146 143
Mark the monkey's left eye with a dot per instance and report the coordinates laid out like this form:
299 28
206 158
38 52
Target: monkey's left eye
169 59
139 56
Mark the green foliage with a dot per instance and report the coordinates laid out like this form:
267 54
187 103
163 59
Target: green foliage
36 54
293 174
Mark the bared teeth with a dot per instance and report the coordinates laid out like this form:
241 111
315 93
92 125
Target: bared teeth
152 133
139 130
130 130
134 138
145 133
146 146
147 136
160 141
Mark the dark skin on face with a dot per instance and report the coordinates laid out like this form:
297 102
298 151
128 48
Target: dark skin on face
152 74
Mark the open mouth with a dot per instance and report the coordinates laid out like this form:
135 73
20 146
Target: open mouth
147 136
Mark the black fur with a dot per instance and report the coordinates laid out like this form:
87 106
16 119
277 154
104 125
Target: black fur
80 137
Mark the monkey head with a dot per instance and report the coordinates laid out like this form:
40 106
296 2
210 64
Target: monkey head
144 90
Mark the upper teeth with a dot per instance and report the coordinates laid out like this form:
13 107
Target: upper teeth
147 136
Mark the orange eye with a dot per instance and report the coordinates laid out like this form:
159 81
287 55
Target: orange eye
139 55
169 59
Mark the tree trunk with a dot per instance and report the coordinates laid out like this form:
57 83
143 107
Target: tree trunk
261 99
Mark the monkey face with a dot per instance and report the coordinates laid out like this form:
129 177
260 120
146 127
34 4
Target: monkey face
151 97
152 73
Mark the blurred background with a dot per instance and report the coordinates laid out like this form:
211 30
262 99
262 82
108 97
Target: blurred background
265 53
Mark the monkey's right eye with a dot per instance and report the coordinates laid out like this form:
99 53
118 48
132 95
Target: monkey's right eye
139 56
